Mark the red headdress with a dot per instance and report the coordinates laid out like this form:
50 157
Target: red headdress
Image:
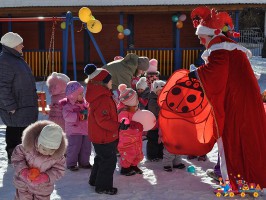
211 22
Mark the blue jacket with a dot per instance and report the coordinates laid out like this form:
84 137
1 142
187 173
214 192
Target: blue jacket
17 90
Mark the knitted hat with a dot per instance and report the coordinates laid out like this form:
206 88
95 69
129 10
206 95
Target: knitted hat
210 22
143 63
73 89
157 85
97 74
11 39
57 83
128 96
153 64
142 83
51 136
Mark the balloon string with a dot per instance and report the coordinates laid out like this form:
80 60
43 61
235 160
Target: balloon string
82 28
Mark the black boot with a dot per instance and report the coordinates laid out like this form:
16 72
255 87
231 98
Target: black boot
136 169
127 171
110 191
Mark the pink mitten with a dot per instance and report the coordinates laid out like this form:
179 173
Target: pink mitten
42 178
24 173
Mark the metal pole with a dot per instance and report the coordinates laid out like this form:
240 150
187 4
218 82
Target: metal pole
121 42
73 50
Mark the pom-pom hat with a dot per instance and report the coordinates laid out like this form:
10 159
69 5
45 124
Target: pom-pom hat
128 96
153 65
97 74
210 22
11 39
157 85
73 89
51 136
142 83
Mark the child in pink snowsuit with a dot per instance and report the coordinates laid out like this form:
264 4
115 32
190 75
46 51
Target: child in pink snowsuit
39 161
57 83
130 140
75 113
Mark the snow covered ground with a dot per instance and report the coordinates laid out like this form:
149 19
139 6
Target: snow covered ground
154 183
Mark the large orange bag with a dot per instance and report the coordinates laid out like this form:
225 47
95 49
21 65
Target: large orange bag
185 117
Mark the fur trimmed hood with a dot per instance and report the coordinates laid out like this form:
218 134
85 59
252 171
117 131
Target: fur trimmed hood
31 134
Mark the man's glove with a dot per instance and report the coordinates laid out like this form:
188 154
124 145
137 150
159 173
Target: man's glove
136 125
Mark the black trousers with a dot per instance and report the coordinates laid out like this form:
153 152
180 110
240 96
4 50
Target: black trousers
13 138
153 149
104 165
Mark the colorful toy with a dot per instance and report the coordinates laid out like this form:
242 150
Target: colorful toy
191 169
244 188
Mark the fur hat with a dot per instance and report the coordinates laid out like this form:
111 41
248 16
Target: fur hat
97 74
128 96
11 39
211 22
153 65
143 63
51 136
57 83
157 85
142 83
73 89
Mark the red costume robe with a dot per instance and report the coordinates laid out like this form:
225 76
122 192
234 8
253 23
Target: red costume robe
234 94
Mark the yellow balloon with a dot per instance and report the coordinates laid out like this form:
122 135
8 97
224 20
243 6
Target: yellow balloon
63 25
120 28
85 14
94 26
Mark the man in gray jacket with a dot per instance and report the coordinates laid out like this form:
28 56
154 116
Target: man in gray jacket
18 97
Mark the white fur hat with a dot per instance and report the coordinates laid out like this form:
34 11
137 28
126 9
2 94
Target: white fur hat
142 83
11 39
157 85
51 136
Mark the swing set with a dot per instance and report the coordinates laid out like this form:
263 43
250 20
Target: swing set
69 20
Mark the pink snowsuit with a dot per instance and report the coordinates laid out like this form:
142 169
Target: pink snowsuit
26 155
130 143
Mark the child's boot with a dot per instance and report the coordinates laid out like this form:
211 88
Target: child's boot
127 171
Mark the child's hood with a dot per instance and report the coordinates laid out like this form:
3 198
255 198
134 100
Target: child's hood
31 134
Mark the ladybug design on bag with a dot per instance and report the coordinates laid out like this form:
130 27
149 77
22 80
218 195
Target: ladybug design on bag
191 101
185 118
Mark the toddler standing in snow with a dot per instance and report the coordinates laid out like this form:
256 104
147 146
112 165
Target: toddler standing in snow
154 148
57 83
130 140
39 161
75 113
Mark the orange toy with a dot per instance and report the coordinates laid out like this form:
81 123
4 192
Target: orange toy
33 173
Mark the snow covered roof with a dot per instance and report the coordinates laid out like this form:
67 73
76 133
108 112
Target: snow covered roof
51 3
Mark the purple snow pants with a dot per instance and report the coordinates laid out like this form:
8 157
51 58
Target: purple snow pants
78 150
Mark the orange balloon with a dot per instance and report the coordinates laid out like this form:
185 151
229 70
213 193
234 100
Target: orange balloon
179 24
120 36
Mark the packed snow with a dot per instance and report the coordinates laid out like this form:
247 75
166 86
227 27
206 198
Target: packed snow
154 183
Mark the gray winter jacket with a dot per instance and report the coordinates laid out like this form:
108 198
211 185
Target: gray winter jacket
17 90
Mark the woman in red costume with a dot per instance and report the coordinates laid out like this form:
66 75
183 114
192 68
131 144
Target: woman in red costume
233 92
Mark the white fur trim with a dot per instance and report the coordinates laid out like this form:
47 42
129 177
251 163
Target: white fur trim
223 166
225 46
94 74
204 30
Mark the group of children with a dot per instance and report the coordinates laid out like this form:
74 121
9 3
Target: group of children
94 119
